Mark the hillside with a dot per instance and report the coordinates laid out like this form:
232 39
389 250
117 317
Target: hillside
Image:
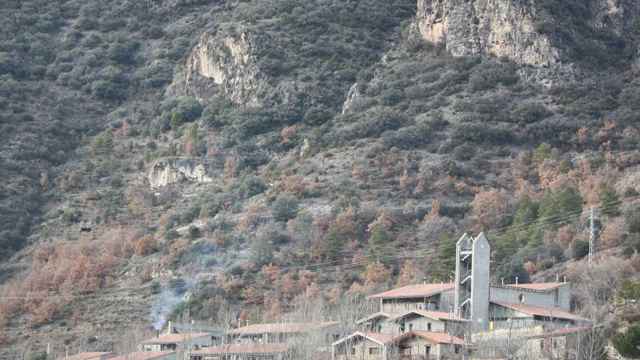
255 155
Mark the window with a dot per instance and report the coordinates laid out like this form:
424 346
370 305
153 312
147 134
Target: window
410 327
374 351
428 326
456 349
541 344
402 327
427 350
353 351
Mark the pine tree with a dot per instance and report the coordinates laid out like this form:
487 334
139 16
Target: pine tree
445 262
378 244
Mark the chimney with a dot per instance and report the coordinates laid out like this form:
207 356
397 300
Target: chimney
502 280
564 279
557 277
169 328
516 280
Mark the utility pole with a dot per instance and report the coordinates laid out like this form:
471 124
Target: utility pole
592 233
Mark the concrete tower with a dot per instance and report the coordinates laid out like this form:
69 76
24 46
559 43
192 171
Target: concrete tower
472 280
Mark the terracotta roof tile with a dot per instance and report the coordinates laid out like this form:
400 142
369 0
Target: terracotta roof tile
538 286
144 355
382 338
436 315
550 312
414 291
433 337
281 328
245 349
175 338
373 336
373 316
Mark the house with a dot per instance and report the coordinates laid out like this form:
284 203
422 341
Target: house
537 342
415 297
148 355
361 345
242 352
90 356
553 294
174 342
429 321
278 333
374 322
428 345
410 345
509 316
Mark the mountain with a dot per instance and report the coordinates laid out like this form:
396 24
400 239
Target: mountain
230 159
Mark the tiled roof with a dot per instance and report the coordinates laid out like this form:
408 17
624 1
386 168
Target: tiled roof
563 332
381 338
375 337
436 315
432 337
90 356
175 338
144 355
245 349
550 312
414 291
538 286
373 316
281 328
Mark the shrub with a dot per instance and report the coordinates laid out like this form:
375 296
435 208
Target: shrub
107 90
627 343
482 134
490 74
185 109
123 51
284 208
530 112
102 144
251 186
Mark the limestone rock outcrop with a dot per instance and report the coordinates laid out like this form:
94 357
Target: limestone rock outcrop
224 63
510 28
173 171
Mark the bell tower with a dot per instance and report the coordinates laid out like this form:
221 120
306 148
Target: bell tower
471 296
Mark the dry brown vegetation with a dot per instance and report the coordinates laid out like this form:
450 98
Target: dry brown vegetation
63 271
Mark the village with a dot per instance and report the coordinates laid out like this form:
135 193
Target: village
469 318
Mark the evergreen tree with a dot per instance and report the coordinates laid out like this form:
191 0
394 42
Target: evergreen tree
609 201
627 343
445 262
379 244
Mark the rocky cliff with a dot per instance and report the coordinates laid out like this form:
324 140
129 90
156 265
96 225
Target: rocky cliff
167 172
519 30
224 63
